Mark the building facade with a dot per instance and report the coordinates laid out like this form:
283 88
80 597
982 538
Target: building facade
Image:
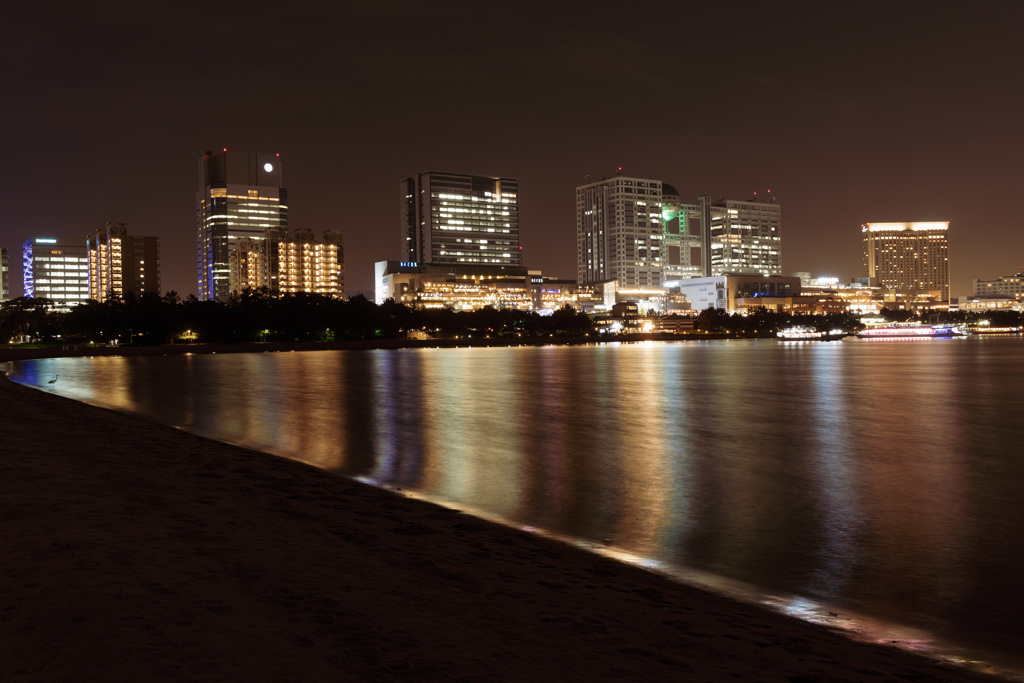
289 265
472 287
121 264
56 269
240 196
736 293
683 237
744 237
454 218
5 276
619 233
910 259
1005 287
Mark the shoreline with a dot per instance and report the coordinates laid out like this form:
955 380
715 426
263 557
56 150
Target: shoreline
71 350
135 550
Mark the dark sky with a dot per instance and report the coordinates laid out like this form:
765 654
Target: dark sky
849 112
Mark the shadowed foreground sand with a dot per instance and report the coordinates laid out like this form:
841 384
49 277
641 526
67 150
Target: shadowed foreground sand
130 551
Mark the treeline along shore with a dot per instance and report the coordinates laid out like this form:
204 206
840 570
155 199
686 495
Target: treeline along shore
261 316
135 551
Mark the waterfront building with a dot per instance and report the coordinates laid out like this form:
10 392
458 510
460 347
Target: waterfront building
5 277
909 259
1008 287
471 287
737 293
619 234
121 264
289 265
56 269
240 195
683 246
744 237
460 219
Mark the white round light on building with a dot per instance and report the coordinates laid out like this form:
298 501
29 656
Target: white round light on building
268 167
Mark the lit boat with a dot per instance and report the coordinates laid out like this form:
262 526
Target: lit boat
907 330
801 333
994 330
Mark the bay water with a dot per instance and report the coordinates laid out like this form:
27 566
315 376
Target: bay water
876 486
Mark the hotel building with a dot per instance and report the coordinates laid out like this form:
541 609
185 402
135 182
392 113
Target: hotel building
121 264
55 269
454 218
1005 287
910 259
619 234
283 265
240 196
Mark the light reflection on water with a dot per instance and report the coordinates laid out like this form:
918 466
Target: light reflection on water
880 478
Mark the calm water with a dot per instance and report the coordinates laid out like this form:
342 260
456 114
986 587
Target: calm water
879 477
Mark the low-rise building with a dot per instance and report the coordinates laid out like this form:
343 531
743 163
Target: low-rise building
471 287
737 293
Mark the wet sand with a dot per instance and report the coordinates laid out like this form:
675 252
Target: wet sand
134 551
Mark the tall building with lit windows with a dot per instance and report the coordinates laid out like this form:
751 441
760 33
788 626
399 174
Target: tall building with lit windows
55 269
619 233
240 196
287 266
122 264
910 259
744 237
5 276
454 218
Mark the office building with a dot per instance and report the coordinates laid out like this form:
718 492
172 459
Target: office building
56 269
744 237
5 276
240 196
454 218
619 233
122 265
909 259
683 246
283 265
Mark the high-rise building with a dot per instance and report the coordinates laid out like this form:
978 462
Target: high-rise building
619 234
744 237
283 265
55 269
683 246
122 264
5 277
454 218
240 196
909 259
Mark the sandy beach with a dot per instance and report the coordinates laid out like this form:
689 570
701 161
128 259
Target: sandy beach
136 552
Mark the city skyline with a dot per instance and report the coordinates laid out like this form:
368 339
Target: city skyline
851 115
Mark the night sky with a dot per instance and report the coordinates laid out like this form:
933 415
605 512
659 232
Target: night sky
849 112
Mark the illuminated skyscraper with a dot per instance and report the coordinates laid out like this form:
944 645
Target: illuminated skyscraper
745 237
453 218
240 196
122 264
287 266
908 258
5 277
55 269
683 247
619 232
